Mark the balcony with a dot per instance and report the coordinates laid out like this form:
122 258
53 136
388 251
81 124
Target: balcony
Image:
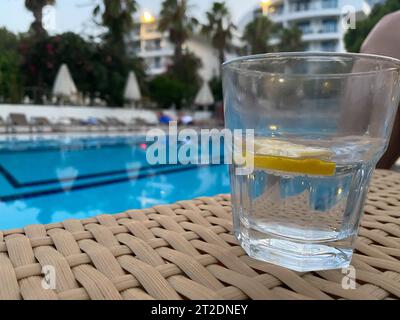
325 29
152 45
328 29
153 70
300 6
305 28
310 37
275 10
305 9
163 52
329 4
329 46
307 5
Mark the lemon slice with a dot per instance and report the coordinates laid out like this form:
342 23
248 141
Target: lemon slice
303 166
293 158
279 148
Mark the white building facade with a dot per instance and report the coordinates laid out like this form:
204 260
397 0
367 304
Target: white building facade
151 45
322 22
156 50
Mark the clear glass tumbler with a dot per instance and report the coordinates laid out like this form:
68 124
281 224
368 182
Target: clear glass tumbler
321 121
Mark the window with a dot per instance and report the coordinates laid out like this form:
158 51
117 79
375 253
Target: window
157 63
329 4
329 26
329 45
157 44
305 27
150 27
136 30
276 10
136 47
302 5
152 45
154 63
307 47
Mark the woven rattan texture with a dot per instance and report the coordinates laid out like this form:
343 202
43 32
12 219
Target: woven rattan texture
187 251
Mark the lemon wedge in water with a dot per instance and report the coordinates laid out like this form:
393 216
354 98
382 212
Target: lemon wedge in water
288 157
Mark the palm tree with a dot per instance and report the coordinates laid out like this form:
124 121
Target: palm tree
290 39
36 7
257 33
174 18
219 28
116 16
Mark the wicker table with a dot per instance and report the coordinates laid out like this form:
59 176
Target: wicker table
187 251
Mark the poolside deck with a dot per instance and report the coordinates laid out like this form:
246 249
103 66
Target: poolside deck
187 251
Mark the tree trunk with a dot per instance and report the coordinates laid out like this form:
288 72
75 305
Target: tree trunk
37 25
221 56
38 14
178 51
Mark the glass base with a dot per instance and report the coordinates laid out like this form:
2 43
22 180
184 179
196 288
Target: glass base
292 254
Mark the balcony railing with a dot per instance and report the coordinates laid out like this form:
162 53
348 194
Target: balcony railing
329 4
306 29
329 46
275 10
324 28
329 29
152 47
301 6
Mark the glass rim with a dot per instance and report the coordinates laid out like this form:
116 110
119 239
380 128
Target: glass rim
275 55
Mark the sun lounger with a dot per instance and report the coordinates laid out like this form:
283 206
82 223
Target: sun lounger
141 124
79 125
116 123
3 126
19 124
42 124
67 124
62 124
103 125
107 126
94 124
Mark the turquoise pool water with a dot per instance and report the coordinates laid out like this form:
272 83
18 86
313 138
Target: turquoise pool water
48 181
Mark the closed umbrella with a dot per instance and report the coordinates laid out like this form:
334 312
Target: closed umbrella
64 86
132 90
204 97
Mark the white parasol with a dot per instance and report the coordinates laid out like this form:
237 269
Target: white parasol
64 86
204 96
132 90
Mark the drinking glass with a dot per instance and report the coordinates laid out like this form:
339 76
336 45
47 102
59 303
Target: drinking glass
321 122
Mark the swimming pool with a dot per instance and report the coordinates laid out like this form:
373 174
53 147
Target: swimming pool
50 180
